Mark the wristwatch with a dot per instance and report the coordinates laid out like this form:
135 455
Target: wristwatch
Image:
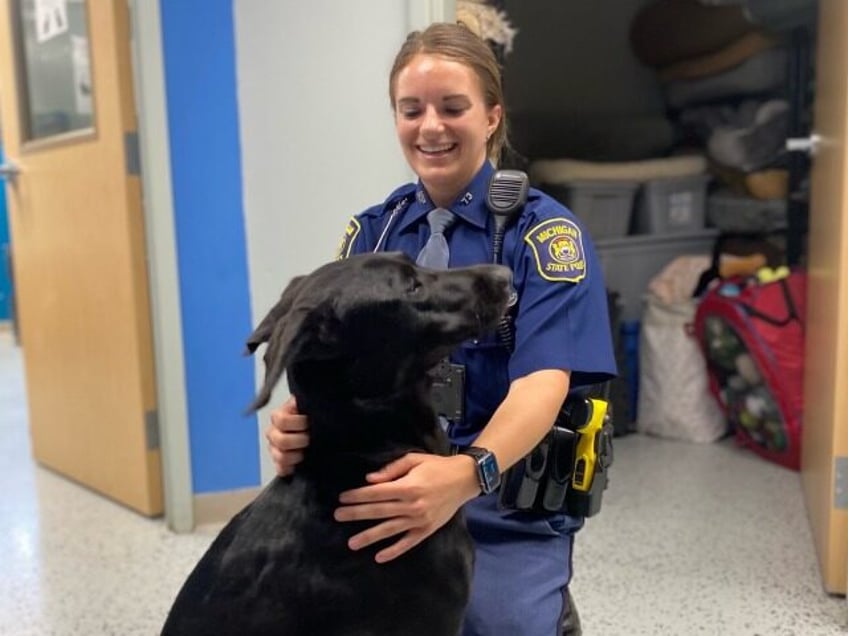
488 473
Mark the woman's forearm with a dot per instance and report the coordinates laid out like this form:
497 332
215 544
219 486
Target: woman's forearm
525 415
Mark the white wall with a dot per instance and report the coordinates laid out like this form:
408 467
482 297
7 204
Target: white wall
315 125
318 142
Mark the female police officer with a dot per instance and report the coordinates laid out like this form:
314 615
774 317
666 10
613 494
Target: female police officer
448 108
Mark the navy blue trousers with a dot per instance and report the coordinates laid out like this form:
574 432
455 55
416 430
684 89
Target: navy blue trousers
521 571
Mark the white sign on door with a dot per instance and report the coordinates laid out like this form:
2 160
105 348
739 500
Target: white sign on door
51 19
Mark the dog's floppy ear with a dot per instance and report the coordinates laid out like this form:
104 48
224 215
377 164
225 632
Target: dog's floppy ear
276 355
295 328
275 321
263 332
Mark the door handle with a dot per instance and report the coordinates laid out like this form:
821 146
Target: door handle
9 171
810 144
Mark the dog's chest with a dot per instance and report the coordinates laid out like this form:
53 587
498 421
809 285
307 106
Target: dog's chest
302 574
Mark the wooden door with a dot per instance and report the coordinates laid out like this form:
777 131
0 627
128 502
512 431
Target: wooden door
77 237
825 441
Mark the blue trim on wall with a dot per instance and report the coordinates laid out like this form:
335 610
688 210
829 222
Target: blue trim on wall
5 274
200 80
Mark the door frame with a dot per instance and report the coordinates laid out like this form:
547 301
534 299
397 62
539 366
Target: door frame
163 272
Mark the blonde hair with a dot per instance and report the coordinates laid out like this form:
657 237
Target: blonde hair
457 43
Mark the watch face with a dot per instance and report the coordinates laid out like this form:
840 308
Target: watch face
489 472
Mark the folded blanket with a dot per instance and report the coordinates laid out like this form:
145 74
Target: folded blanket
781 15
754 144
764 72
592 136
566 170
667 31
722 60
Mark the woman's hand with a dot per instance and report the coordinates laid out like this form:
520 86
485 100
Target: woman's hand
414 496
287 437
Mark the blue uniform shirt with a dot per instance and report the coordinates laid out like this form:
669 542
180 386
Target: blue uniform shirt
562 321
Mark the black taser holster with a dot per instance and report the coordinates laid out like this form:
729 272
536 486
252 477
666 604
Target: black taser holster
567 471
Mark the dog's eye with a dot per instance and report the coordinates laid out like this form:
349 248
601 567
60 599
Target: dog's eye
414 286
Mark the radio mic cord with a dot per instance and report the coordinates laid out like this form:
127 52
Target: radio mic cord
505 198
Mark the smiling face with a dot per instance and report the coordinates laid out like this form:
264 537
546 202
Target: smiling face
442 123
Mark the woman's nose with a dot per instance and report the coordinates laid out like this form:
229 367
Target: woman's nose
432 121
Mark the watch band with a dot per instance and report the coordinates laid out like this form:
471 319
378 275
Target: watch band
488 473
475 451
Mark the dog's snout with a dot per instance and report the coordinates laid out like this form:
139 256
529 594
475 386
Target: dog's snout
500 273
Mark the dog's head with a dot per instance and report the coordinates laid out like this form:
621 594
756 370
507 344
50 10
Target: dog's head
377 320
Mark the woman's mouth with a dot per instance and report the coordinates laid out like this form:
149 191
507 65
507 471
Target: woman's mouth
436 150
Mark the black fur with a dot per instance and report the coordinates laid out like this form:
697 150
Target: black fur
356 339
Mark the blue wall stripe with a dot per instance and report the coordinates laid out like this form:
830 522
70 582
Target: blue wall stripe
5 274
199 54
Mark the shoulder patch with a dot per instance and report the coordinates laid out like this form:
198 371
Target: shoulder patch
350 234
558 247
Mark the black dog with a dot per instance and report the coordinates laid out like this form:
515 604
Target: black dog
356 339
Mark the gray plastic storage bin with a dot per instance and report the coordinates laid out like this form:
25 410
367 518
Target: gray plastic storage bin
629 263
604 207
736 213
675 204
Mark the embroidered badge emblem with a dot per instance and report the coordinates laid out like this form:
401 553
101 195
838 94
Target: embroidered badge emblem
557 245
350 234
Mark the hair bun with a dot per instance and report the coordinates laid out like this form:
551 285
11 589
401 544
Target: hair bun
469 19
487 22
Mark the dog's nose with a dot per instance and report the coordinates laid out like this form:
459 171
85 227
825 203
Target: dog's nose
513 296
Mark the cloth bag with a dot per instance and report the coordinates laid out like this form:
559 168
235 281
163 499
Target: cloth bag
674 397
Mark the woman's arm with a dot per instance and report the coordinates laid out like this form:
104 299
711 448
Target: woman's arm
525 416
417 494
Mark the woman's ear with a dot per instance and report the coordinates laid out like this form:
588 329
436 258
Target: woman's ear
494 116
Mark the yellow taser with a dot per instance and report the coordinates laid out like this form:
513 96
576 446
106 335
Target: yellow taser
588 440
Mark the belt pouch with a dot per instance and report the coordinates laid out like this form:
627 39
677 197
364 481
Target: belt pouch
520 485
559 469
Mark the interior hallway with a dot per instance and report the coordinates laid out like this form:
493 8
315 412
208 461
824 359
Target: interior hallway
693 539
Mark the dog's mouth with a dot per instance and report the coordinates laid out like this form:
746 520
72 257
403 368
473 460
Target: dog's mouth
487 320
509 297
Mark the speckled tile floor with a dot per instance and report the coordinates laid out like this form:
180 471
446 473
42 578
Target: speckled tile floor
693 539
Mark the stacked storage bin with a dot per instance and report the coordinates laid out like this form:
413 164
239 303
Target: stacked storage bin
740 213
640 214
672 204
605 207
